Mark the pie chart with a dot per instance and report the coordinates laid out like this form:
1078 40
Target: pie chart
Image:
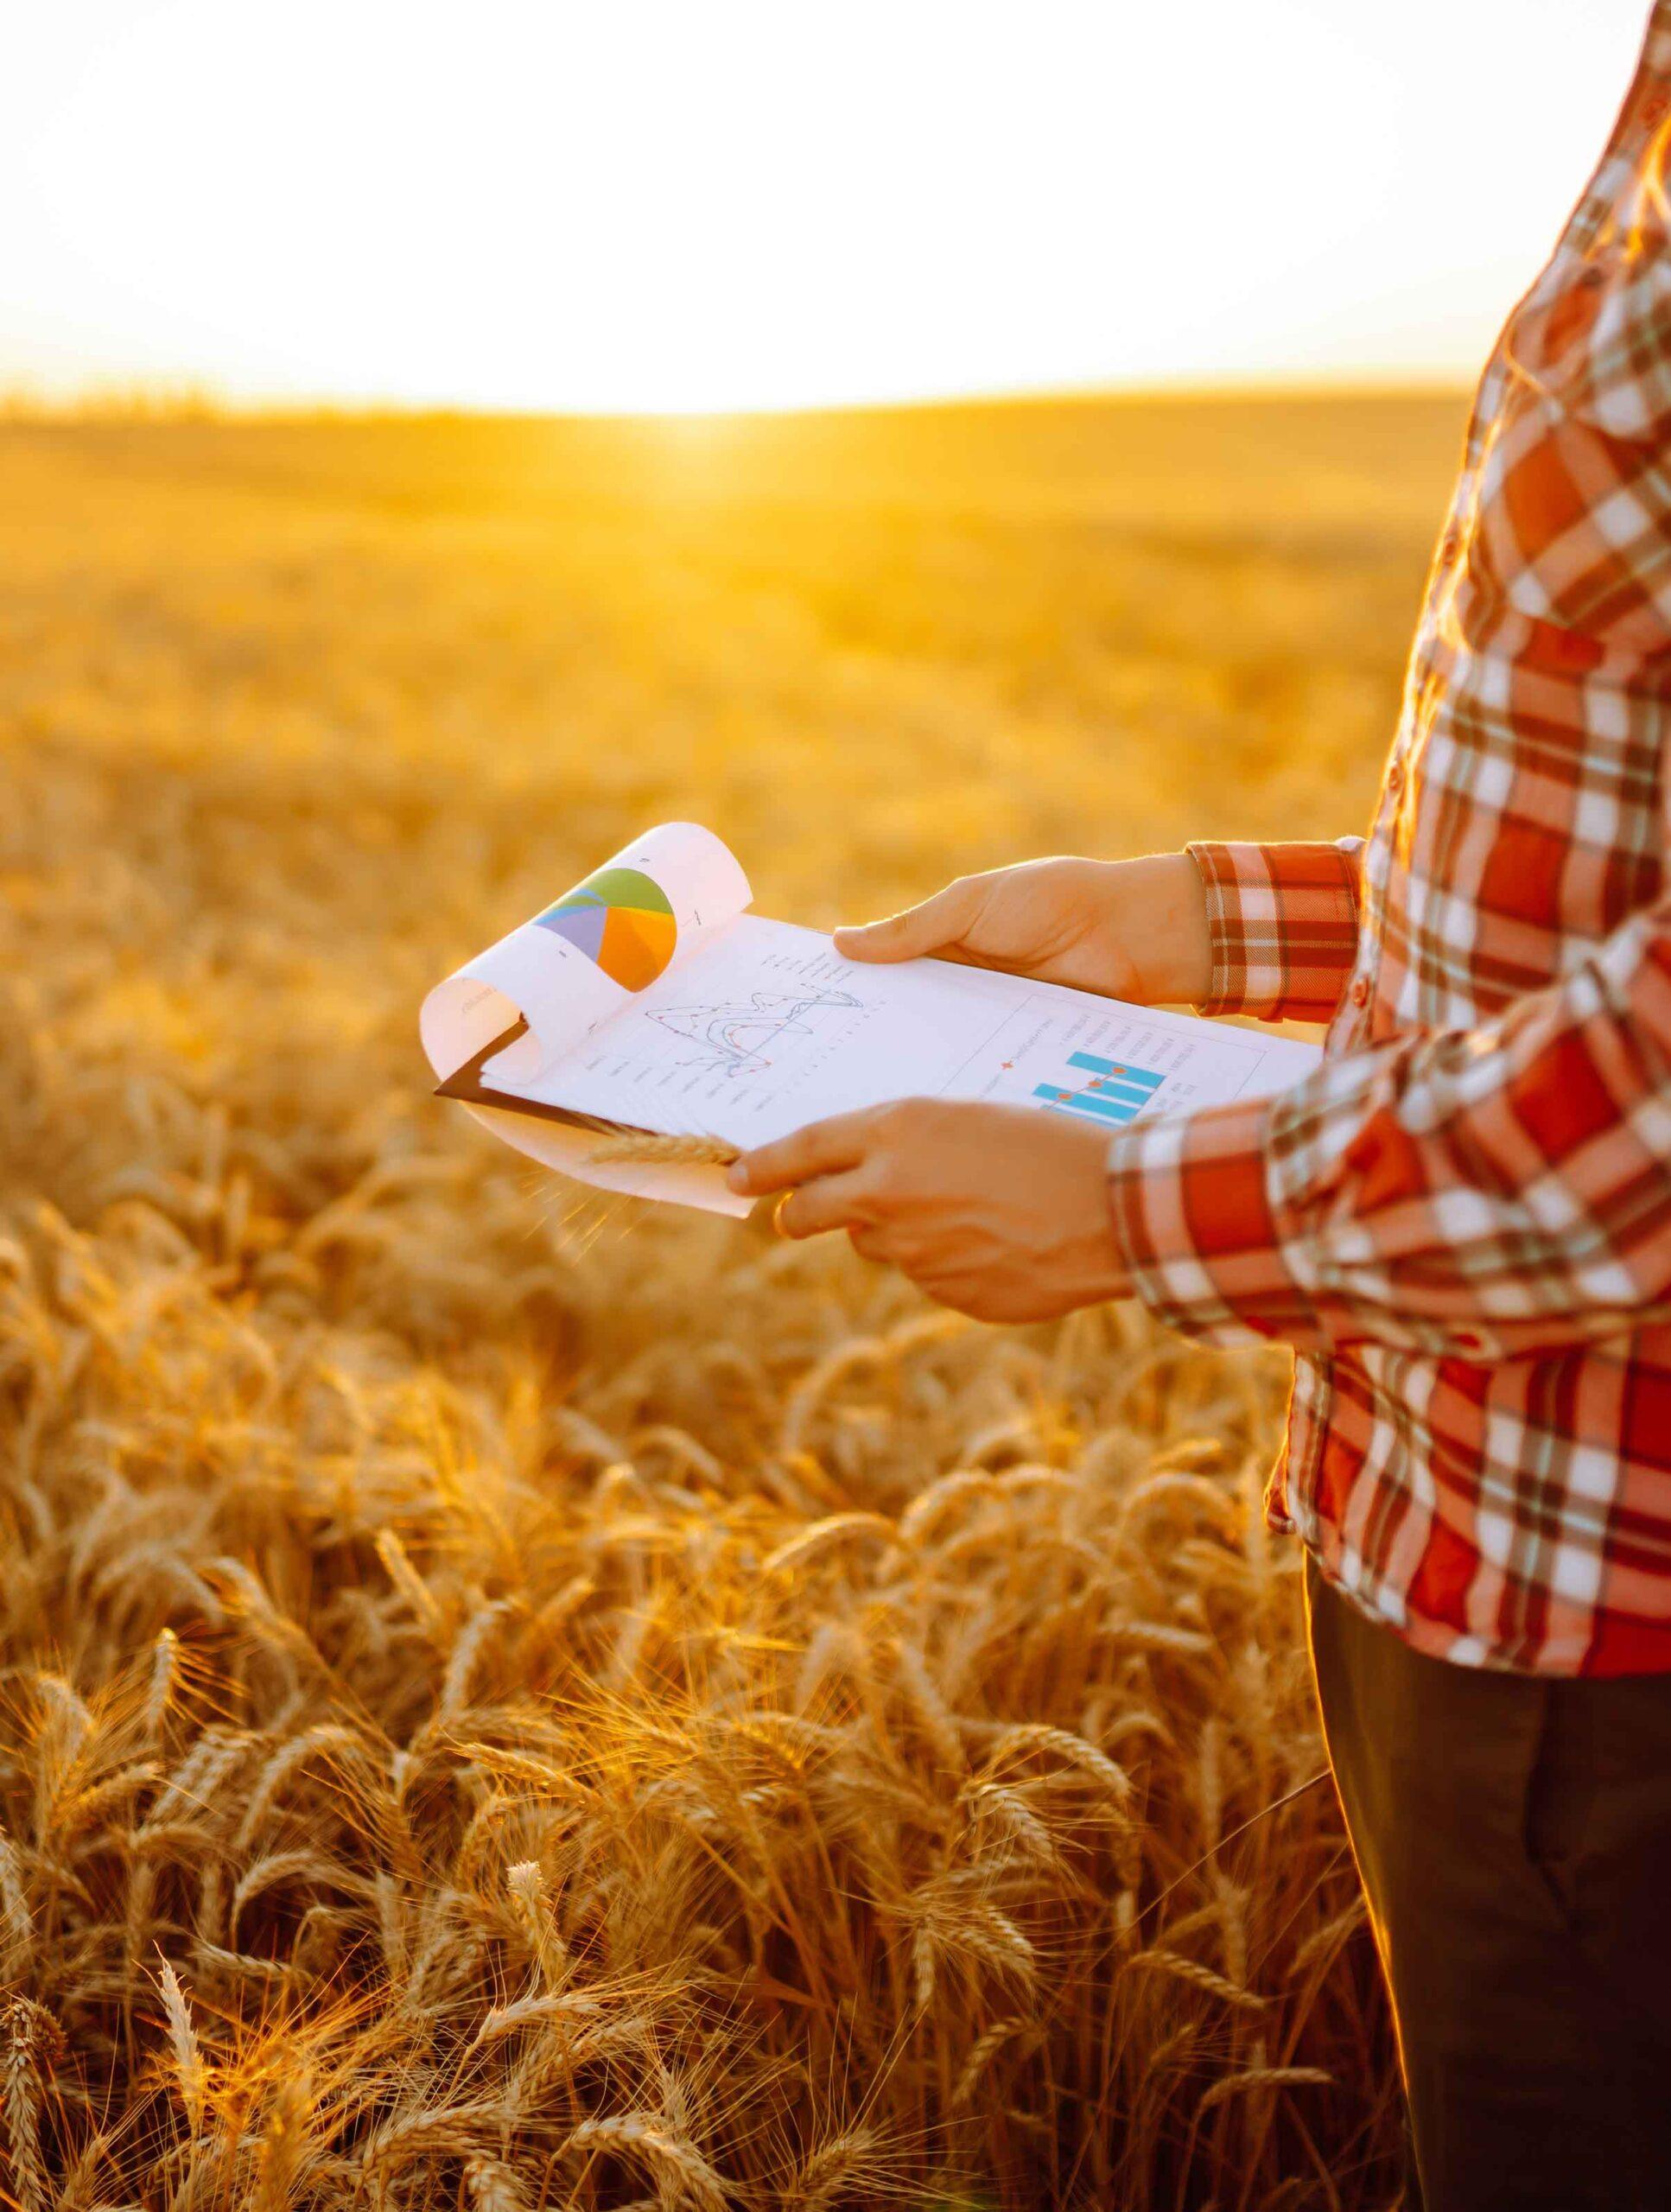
621 918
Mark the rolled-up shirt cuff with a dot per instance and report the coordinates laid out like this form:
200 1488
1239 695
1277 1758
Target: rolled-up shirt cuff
1282 922
1196 1229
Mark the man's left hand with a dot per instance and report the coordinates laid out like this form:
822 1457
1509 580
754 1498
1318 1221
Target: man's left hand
1000 1212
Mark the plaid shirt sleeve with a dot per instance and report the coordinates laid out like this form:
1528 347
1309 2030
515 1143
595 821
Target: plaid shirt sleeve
1472 1194
1283 920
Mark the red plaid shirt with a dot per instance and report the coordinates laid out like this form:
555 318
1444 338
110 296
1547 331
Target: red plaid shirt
1462 1219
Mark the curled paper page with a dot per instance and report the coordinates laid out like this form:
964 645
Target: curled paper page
573 966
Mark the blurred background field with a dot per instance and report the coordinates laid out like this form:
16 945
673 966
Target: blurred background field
512 1699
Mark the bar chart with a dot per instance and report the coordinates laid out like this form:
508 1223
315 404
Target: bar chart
1109 1090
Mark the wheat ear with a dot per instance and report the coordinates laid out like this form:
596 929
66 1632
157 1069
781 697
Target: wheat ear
680 2164
492 2185
1264 2077
191 2074
663 1152
1198 1976
27 2032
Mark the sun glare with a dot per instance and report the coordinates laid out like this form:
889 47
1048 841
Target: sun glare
544 205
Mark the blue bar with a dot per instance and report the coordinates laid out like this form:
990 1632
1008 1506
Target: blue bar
1144 1077
1066 1106
1082 1102
1110 1110
1109 1086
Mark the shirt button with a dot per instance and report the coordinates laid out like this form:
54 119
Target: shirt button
1360 991
1395 776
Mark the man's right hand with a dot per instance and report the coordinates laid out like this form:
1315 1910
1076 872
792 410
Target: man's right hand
1129 929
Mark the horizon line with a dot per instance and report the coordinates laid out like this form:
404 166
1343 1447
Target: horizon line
165 400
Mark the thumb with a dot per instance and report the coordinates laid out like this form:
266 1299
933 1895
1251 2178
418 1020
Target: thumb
931 926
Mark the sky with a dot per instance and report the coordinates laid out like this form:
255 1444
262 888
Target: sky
610 205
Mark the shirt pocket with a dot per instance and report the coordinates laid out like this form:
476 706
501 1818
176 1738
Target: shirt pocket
1593 338
1549 341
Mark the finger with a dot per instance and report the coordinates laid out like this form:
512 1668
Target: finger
937 923
961 1295
870 1243
827 1202
821 1148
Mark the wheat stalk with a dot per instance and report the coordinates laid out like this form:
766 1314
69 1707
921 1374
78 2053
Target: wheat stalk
535 2012
826 1535
834 2169
28 2034
1264 2077
164 1675
492 2184
16 1921
191 2074
1072 1750
526 1882
986 2048
1327 1937
1198 1976
662 1151
282 2152
680 2162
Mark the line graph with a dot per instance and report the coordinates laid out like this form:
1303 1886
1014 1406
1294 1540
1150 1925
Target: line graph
739 1037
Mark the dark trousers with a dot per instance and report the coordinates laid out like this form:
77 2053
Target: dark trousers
1514 1836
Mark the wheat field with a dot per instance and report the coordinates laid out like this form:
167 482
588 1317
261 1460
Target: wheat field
515 1700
